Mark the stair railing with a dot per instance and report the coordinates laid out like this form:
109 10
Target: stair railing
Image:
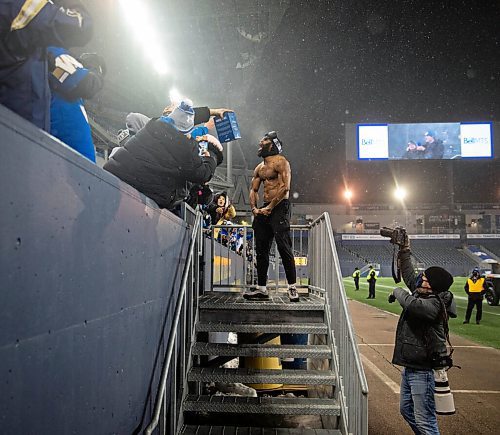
326 279
179 341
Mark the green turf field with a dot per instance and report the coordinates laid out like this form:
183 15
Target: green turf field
487 333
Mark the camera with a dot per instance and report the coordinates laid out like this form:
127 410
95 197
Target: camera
397 235
202 147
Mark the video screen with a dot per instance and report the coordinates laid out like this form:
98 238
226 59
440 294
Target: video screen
448 141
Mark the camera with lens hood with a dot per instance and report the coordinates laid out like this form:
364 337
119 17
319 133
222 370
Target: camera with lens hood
397 235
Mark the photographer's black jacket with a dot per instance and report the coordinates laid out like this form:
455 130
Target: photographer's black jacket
159 160
420 335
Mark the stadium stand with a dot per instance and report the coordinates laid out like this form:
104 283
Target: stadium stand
444 253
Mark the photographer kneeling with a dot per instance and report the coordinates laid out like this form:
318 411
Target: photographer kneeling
421 335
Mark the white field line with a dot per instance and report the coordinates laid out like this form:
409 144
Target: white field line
380 374
395 387
461 298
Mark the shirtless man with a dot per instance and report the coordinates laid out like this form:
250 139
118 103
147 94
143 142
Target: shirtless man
273 219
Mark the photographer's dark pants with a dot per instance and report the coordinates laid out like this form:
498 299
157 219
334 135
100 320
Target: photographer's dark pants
275 226
474 301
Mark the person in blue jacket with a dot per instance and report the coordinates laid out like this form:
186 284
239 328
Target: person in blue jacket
71 81
27 28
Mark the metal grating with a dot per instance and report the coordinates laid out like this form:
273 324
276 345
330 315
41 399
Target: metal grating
263 350
301 328
261 405
232 430
276 302
256 376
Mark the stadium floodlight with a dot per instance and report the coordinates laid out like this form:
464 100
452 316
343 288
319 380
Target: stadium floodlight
400 193
348 194
175 96
141 26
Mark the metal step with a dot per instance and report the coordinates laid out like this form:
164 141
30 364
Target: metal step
263 350
232 430
260 376
232 301
222 306
261 405
294 328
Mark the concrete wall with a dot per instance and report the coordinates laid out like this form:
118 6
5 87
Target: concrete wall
89 272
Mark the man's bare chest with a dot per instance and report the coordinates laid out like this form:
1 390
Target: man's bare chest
268 173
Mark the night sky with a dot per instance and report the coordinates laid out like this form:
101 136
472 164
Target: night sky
329 63
385 61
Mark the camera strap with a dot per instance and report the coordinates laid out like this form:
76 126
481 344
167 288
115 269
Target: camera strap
447 332
396 269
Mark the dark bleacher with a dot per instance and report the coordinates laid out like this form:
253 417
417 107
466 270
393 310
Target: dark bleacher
444 253
491 245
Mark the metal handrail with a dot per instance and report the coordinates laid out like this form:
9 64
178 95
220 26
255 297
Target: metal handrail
354 411
171 340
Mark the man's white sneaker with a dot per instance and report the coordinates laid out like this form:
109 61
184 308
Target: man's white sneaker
259 292
293 294
236 389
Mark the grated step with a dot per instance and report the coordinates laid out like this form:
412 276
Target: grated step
261 405
298 328
261 376
232 430
277 302
263 350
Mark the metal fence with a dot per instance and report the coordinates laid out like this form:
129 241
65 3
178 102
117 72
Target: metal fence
315 246
232 257
326 279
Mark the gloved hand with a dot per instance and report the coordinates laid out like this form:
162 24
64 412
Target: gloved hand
391 298
94 61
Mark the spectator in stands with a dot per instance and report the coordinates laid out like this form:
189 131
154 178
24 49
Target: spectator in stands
160 159
355 275
475 287
220 210
272 220
28 27
421 337
372 279
71 81
432 148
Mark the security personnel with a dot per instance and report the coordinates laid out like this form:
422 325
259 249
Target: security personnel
475 288
355 275
372 279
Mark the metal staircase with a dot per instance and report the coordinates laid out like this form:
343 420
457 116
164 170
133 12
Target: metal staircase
223 311
333 388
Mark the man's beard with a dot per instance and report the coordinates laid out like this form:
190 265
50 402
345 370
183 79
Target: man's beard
271 151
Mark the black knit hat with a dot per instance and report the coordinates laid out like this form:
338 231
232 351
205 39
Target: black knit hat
439 279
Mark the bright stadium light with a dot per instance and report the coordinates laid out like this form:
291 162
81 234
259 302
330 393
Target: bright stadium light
175 96
348 194
141 26
400 193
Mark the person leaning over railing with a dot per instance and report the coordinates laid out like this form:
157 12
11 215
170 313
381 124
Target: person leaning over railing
161 159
